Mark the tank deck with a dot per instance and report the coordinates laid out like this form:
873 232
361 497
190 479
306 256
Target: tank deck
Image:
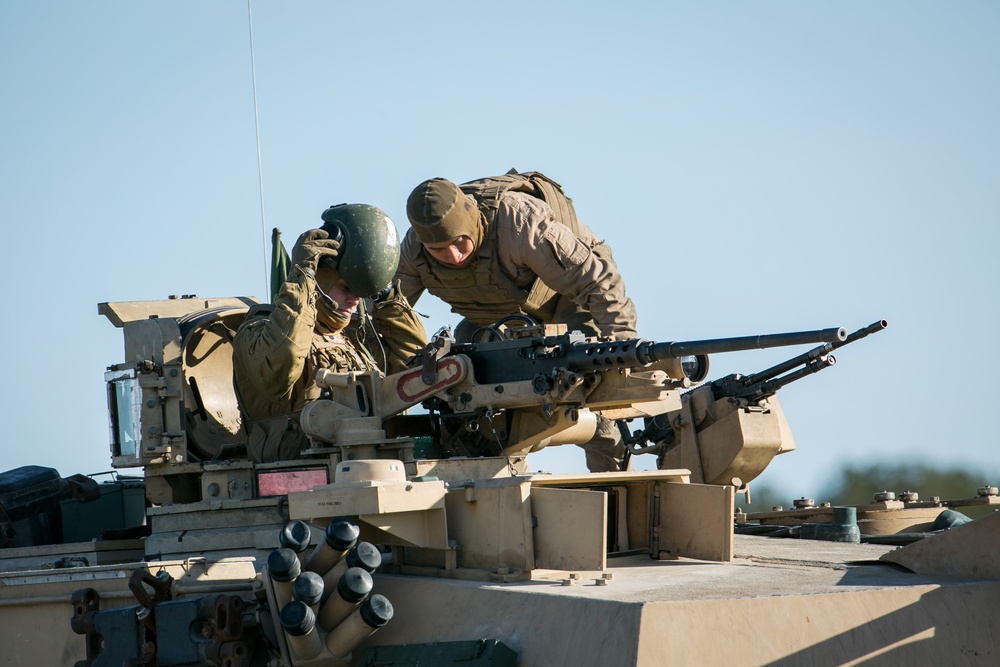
780 601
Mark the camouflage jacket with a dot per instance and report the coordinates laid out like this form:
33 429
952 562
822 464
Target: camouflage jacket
278 349
526 257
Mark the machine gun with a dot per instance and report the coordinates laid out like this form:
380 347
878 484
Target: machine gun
517 392
728 430
538 358
767 382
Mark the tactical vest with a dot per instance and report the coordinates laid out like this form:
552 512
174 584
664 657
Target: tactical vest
485 293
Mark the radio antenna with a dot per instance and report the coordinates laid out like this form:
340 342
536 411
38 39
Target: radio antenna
260 169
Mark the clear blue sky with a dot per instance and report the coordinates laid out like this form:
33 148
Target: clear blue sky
757 167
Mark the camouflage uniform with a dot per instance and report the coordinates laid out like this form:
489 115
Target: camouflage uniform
278 349
520 248
524 243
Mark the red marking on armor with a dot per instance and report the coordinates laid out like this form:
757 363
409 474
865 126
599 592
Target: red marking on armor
411 387
281 483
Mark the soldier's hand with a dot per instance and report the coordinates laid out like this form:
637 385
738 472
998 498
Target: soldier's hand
312 246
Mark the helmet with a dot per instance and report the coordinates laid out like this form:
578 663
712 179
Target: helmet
369 246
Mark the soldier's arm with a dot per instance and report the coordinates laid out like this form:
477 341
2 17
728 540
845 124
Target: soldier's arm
269 352
400 332
582 270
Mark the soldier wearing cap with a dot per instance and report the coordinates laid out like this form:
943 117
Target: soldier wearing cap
509 256
279 346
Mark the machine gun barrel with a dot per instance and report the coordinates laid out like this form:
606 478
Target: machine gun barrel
767 382
813 354
763 388
763 341
874 327
622 354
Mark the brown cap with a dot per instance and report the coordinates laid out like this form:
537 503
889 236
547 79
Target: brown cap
439 211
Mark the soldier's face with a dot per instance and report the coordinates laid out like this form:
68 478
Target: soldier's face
455 252
347 301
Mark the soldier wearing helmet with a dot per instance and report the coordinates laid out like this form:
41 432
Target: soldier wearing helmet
490 249
345 265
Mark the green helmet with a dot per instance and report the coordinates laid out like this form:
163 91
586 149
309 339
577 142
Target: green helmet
369 246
